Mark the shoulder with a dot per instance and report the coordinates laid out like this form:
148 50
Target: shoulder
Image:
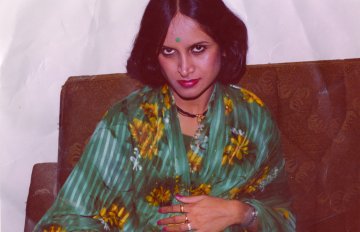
250 109
244 101
247 96
128 107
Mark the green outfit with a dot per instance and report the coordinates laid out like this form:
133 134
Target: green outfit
136 161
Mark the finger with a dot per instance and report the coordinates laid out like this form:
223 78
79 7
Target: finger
173 209
190 199
173 220
179 227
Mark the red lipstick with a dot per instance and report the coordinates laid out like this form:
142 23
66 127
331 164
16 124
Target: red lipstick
188 83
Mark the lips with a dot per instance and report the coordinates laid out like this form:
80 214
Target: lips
188 83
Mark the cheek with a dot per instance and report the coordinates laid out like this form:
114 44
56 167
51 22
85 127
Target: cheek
166 65
212 62
167 68
216 62
161 62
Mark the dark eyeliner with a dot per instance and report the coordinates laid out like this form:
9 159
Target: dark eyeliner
202 48
163 51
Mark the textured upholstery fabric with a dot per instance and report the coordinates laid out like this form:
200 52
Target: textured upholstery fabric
316 105
42 192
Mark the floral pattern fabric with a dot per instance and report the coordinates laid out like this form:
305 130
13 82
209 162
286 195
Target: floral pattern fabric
136 161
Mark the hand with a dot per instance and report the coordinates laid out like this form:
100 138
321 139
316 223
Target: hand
204 213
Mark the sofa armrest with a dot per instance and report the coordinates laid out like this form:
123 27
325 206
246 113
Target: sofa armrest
42 193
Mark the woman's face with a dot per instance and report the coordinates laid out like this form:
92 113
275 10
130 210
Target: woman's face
190 59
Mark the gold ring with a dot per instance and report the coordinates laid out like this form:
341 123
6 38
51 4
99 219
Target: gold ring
186 219
189 227
181 208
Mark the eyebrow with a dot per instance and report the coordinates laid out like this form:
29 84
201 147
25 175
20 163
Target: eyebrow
194 44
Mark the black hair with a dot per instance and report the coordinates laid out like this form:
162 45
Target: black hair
220 23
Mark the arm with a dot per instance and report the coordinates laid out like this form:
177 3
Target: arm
207 213
272 205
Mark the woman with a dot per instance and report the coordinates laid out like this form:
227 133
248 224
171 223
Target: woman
188 152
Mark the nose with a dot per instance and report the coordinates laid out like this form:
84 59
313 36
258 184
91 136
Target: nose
185 66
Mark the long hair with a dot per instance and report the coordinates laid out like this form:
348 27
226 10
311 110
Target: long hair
220 23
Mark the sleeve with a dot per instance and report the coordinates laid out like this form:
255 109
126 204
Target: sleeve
272 198
274 206
268 191
97 194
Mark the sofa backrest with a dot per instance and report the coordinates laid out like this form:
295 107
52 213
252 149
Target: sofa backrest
317 108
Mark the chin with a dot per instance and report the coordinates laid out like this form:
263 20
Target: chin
190 97
191 94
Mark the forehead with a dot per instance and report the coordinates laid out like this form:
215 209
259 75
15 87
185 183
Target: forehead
184 29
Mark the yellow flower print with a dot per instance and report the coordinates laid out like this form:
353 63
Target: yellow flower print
177 185
166 94
238 148
250 97
151 111
194 161
147 136
234 192
264 174
114 216
252 186
285 213
203 189
54 228
228 105
158 130
159 196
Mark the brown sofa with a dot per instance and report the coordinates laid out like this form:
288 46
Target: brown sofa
316 105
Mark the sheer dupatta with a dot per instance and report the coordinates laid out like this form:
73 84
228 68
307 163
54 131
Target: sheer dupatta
136 161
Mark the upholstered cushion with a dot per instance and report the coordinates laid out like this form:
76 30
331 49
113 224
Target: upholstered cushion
42 193
320 127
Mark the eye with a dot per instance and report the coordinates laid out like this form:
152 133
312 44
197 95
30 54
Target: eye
167 51
198 48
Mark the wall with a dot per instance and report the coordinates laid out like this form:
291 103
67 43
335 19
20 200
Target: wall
42 43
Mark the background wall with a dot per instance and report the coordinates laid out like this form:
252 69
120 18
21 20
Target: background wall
42 43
